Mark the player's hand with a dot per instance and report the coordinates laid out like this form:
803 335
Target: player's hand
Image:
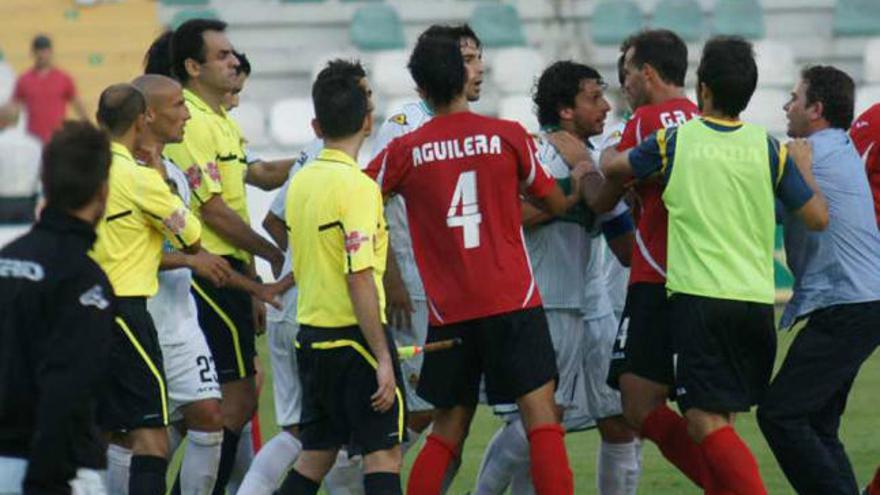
398 306
259 316
801 152
271 293
572 149
383 399
210 266
277 264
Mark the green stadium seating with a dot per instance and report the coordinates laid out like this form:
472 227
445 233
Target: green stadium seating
739 17
184 15
302 1
685 17
354 1
185 2
613 20
498 25
377 27
857 18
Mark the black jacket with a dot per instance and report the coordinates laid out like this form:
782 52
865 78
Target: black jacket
56 318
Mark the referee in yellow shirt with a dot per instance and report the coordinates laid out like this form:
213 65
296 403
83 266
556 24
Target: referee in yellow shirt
141 212
339 241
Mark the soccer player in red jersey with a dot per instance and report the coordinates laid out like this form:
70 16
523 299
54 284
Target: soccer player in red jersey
461 175
865 133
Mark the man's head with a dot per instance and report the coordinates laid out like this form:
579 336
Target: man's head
41 49
121 108
75 167
727 76
157 60
824 97
201 53
341 96
471 51
653 60
166 113
437 67
233 98
571 96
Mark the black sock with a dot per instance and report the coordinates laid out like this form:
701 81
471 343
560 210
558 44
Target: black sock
297 484
382 484
227 460
147 475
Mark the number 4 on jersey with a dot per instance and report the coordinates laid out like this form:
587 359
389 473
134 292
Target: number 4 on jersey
469 219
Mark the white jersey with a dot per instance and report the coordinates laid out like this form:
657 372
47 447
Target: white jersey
616 275
409 118
277 208
173 303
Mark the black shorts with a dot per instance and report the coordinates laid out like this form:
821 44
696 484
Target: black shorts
725 352
227 320
337 383
513 350
135 395
643 345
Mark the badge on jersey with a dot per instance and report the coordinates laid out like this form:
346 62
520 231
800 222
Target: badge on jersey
94 297
399 119
354 241
194 176
176 222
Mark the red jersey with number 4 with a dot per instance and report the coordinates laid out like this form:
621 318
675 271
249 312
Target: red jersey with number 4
460 175
865 133
648 262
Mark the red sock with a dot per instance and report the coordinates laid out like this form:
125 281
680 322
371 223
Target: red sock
551 474
874 487
668 430
733 466
426 476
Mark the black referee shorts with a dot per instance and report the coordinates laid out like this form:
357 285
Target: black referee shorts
135 396
338 376
725 351
513 351
643 345
227 320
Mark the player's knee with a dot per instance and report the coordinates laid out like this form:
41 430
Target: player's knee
703 423
150 441
383 461
615 430
205 415
419 421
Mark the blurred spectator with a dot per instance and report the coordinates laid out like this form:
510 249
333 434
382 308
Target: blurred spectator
19 174
44 91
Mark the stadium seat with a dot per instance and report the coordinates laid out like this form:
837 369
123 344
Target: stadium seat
185 2
856 18
872 61
613 20
498 25
765 109
776 65
519 108
184 15
7 82
685 17
377 27
390 75
514 69
739 17
252 120
290 121
866 96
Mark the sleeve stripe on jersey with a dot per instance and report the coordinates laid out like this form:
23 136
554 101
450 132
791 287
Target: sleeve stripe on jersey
782 156
337 223
117 216
664 157
533 169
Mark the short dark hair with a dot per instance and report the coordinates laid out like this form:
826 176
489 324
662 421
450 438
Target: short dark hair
40 42
557 88
189 42
244 65
157 60
728 69
76 163
437 67
454 32
340 105
118 108
621 71
663 50
343 68
835 90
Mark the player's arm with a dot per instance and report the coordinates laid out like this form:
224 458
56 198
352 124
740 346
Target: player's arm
263 292
167 213
206 265
274 222
365 301
226 222
618 229
269 176
398 304
797 188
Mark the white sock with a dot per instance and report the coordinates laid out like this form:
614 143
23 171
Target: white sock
507 453
244 456
632 479
118 465
174 440
270 465
521 484
198 471
346 477
617 464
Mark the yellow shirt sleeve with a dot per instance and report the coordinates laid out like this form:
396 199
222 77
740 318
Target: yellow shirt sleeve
361 218
165 210
197 157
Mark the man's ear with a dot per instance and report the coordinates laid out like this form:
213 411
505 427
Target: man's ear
193 68
317 128
566 113
816 110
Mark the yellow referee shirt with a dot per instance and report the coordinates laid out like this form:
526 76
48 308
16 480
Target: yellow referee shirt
212 156
337 227
141 212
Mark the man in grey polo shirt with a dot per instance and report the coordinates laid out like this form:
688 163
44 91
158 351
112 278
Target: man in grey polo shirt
837 286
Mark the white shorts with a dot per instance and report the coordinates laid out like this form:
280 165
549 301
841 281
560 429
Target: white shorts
285 373
602 400
567 333
189 368
412 368
13 470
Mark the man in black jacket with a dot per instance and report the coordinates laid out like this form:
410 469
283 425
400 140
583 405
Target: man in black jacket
56 318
